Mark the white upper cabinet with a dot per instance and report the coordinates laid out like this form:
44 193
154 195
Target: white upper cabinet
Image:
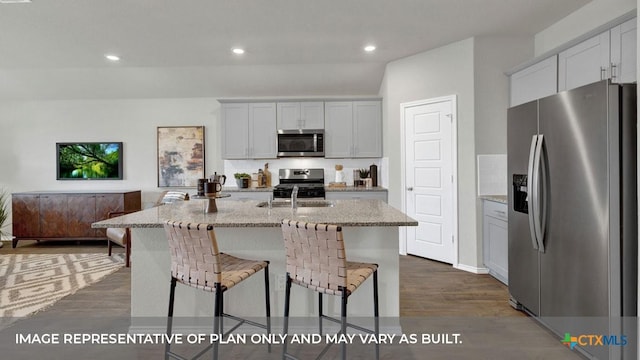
353 129
584 63
235 130
534 82
262 131
300 115
367 129
338 129
248 130
608 55
623 52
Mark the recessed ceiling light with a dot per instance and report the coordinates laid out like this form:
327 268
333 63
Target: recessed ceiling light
112 57
369 48
238 51
14 1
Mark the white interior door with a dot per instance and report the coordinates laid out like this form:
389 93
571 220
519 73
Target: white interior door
429 179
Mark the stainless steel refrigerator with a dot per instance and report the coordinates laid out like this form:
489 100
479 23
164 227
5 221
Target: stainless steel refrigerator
573 213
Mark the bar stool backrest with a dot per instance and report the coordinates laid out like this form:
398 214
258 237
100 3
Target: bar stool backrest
195 259
315 255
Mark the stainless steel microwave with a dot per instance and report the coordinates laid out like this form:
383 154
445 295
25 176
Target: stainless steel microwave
303 142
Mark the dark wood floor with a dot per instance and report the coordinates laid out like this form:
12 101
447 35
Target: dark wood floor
427 288
434 297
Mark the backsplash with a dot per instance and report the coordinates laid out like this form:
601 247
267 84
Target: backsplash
251 166
492 174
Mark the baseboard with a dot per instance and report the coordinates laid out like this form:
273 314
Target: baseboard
472 269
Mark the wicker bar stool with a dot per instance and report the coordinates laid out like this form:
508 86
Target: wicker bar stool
316 259
196 262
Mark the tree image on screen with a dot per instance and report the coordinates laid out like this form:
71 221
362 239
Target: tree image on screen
89 161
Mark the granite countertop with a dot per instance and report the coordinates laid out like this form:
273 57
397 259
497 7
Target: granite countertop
355 188
233 213
237 189
326 188
495 198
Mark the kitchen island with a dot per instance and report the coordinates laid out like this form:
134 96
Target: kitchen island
246 230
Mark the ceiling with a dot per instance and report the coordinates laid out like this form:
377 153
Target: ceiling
54 49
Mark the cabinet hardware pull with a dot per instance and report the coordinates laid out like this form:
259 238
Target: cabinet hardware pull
613 72
602 73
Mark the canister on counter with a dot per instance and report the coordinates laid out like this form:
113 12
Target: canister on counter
373 174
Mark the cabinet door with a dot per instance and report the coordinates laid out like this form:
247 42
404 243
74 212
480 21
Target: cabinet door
288 114
367 129
495 240
338 129
53 215
81 213
584 63
312 114
106 203
300 115
623 52
535 82
25 213
262 130
235 127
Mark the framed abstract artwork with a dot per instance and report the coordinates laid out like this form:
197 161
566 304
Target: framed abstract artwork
180 156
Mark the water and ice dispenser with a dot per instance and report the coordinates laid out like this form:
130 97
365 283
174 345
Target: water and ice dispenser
520 199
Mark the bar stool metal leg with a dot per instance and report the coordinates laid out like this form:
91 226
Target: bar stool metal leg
320 312
267 296
172 293
376 314
217 316
343 314
285 330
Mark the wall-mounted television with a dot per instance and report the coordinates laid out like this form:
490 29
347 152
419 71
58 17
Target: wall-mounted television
89 161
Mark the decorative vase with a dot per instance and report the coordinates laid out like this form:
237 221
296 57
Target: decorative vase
242 183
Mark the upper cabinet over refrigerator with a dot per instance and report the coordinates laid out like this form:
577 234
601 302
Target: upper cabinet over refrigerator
601 55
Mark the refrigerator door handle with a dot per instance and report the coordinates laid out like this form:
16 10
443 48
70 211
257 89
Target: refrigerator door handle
540 208
531 192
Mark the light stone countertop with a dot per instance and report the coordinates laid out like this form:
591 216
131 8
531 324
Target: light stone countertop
233 213
326 188
355 188
495 198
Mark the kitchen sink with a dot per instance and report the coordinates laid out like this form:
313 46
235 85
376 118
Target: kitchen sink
301 203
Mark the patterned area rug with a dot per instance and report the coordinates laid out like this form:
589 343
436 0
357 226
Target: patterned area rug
32 282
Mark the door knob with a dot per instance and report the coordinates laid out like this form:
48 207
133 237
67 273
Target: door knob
410 188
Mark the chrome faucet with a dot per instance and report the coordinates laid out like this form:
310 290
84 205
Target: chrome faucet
294 197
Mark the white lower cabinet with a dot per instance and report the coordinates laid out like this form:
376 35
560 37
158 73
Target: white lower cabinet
495 240
351 195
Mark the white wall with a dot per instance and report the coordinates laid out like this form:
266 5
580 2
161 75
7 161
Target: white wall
444 71
585 19
493 56
30 130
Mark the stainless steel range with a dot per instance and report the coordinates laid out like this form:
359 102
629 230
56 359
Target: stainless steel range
310 183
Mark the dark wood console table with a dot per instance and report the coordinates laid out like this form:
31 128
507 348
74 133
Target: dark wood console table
67 215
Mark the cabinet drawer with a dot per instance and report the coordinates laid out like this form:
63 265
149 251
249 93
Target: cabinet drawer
495 209
354 195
